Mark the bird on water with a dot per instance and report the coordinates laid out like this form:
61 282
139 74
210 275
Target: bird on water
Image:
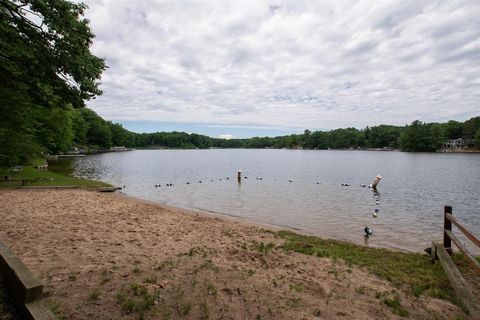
368 231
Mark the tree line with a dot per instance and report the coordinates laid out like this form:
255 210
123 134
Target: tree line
417 136
62 129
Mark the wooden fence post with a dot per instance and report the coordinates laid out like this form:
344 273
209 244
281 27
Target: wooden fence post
447 226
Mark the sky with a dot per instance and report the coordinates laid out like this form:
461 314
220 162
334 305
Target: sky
267 68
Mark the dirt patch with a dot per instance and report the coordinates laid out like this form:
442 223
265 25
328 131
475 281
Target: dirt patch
106 256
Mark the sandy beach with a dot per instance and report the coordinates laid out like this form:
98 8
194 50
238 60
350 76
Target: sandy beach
108 256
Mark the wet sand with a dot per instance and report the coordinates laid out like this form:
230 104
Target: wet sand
100 256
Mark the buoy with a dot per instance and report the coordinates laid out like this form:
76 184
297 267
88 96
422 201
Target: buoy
199 181
377 202
123 186
318 182
188 182
227 178
376 210
246 177
363 185
368 231
374 214
290 180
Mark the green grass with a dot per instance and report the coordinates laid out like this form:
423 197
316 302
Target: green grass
402 269
48 178
396 306
264 247
136 298
94 295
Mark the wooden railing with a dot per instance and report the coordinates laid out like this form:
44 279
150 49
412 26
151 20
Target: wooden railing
448 237
443 253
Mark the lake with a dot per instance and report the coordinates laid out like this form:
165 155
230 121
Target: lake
412 193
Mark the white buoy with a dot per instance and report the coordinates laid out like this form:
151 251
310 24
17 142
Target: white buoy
239 176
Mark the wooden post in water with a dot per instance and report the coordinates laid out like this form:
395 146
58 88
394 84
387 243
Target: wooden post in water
239 176
376 181
447 226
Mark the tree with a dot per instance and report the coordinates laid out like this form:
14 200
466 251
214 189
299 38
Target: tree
59 134
477 139
453 129
422 137
79 127
45 63
45 45
470 127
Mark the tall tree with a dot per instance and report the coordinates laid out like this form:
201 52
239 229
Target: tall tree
45 62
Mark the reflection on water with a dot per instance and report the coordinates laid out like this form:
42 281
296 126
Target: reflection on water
303 189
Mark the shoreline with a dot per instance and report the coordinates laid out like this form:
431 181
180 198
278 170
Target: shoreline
248 222
116 256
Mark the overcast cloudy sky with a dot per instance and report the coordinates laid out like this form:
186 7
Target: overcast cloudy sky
247 68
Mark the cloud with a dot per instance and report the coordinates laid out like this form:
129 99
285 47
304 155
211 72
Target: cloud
296 64
226 136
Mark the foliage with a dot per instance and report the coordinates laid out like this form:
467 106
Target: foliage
422 137
477 138
470 127
46 68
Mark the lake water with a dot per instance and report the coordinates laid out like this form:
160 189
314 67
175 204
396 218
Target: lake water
412 193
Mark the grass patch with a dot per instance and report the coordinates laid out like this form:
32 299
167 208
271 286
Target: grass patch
297 287
203 313
48 178
396 306
136 298
106 276
164 265
72 276
94 295
411 269
136 270
184 309
207 265
151 279
264 247
211 289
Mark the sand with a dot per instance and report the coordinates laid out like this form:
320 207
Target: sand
108 256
